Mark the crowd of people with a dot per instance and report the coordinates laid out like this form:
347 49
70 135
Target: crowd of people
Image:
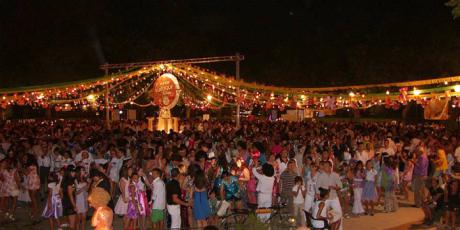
322 172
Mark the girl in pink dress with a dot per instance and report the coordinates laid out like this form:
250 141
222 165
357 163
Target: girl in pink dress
10 189
33 185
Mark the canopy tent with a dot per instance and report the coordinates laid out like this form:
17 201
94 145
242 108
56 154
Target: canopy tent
202 88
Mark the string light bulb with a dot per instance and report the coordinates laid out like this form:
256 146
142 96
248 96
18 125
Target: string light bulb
351 94
417 92
209 97
388 92
457 88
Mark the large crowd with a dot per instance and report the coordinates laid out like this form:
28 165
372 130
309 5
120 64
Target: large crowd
322 172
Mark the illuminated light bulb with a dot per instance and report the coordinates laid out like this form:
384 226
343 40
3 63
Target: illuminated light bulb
351 94
388 92
4 97
121 112
417 92
302 97
209 97
457 88
446 83
90 97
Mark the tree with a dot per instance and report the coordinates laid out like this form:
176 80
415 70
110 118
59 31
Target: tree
455 4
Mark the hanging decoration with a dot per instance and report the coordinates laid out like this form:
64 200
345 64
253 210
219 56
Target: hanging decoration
202 89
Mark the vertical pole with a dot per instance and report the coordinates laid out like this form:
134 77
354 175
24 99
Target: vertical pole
107 111
237 90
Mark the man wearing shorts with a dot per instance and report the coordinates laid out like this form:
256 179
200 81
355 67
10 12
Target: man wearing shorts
158 199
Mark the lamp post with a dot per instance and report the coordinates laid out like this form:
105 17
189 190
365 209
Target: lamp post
237 63
107 111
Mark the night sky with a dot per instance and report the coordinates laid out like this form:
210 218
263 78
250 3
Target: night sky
286 42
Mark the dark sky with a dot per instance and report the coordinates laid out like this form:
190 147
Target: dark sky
286 42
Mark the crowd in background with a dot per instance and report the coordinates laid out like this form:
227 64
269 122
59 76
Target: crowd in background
322 171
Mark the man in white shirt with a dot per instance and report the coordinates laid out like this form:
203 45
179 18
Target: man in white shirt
331 180
158 199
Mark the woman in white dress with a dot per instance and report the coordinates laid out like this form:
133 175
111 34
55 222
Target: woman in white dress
81 197
122 204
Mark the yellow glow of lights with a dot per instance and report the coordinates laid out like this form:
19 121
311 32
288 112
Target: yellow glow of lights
388 92
457 88
446 83
91 97
209 97
417 92
351 94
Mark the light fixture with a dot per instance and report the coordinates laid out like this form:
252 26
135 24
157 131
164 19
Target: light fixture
417 92
351 94
388 92
90 97
209 97
446 83
457 88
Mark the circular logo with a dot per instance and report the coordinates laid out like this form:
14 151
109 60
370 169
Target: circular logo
166 91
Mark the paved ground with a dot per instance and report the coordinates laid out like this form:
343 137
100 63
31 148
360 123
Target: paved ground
406 217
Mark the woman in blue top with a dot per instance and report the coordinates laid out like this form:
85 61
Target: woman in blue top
201 210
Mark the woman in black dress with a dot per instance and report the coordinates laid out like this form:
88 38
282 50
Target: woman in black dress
68 196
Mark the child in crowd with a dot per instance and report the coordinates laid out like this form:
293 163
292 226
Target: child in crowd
346 175
133 206
319 215
33 185
370 190
53 208
10 188
389 185
358 179
213 218
81 192
298 193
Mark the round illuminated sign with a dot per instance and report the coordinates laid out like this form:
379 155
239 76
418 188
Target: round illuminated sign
166 91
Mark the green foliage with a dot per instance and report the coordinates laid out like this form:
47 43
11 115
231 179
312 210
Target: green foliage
455 4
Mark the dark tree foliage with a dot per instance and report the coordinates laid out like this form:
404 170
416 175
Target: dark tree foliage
286 42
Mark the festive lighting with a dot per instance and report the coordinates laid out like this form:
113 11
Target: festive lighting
209 97
417 92
91 98
351 94
388 92
446 83
457 88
